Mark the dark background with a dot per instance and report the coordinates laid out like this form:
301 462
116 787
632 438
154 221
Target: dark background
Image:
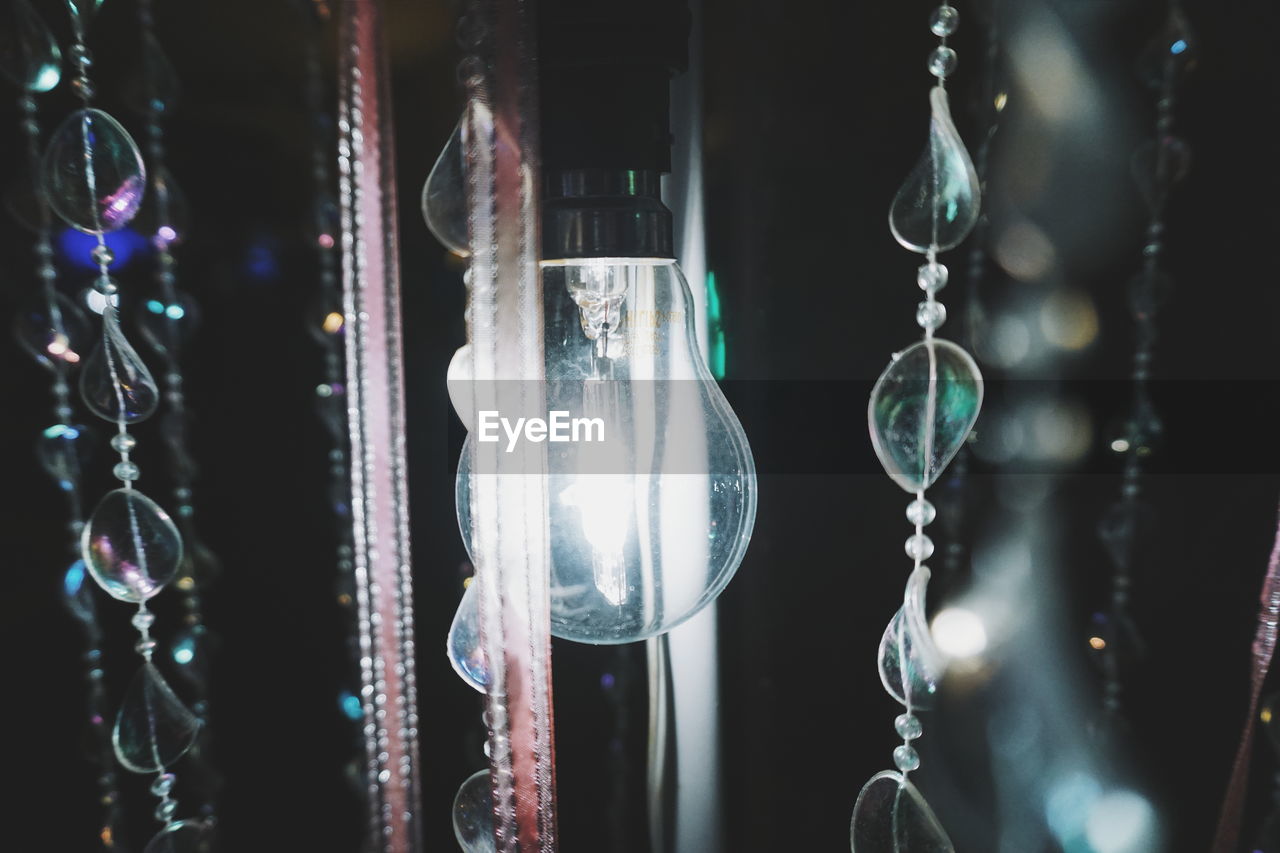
814 113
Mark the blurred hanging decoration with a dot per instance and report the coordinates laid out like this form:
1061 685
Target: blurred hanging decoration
371 333
921 411
56 333
327 325
1127 524
94 178
166 321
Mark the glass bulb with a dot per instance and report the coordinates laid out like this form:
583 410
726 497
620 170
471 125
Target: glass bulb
652 486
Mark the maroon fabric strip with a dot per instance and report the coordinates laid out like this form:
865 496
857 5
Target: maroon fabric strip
1264 646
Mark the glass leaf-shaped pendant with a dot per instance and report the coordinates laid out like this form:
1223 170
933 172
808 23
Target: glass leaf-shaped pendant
153 87
465 652
53 334
130 545
153 729
938 205
890 816
64 451
473 814
183 836
115 383
93 172
910 664
29 55
922 409
444 196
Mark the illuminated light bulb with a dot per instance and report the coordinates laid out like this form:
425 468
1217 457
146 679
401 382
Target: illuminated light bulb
651 511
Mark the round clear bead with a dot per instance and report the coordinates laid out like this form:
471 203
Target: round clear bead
906 759
164 811
921 512
123 442
942 62
163 784
932 277
125 471
106 286
143 620
102 256
908 726
145 647
944 21
919 547
931 315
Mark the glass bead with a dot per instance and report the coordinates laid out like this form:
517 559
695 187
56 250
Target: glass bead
153 728
163 784
131 547
939 202
64 451
933 377
167 325
102 256
115 382
931 315
908 726
942 62
473 814
25 203
891 816
164 811
910 664
165 215
122 442
944 21
906 759
466 655
78 595
29 54
444 196
932 277
83 9
1158 166
126 471
145 647
106 286
113 169
921 512
143 620
53 335
1148 291
919 547
1174 49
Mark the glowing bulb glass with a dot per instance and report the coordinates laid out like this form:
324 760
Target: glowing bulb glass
651 482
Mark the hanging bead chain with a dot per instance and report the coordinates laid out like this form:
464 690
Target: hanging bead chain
1125 520
61 452
921 411
130 546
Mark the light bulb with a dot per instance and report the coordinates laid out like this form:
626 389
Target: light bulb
652 486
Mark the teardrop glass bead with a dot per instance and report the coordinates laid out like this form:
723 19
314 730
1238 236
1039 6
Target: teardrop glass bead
922 409
115 383
153 86
130 545
93 173
53 334
891 816
910 664
444 196
938 205
64 452
465 652
183 836
166 325
473 814
29 55
153 729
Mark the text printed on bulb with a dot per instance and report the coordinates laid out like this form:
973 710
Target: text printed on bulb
556 427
